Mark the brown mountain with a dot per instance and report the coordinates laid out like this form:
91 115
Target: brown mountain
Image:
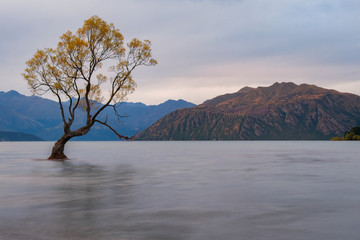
281 111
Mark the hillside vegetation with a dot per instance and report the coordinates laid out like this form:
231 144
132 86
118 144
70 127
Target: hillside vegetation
353 134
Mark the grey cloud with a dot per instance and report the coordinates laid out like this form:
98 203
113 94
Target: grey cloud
191 37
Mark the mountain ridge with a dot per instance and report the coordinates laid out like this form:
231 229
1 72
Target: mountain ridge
41 117
6 136
282 111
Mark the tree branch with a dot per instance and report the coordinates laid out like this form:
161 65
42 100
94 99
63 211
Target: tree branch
119 135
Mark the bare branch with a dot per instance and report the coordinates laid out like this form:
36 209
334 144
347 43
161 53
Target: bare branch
117 114
112 129
112 95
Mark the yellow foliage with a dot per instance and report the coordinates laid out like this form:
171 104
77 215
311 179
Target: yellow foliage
336 139
74 68
57 86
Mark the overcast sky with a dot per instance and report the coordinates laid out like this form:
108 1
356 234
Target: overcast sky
204 47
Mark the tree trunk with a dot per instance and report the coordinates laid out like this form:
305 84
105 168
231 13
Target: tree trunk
58 149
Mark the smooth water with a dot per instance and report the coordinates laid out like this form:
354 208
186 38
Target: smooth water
244 190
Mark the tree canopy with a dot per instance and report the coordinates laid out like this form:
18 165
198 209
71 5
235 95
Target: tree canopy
74 71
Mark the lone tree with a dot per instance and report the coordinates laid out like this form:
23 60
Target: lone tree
73 73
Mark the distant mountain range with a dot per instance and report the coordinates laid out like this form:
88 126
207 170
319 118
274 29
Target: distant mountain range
17 136
41 117
283 111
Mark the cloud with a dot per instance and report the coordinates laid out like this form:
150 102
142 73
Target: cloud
211 81
204 47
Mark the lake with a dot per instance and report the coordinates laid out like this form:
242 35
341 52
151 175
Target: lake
233 190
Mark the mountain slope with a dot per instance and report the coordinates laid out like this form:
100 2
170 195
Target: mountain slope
41 117
17 136
281 111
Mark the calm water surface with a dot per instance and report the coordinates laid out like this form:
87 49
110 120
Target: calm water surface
270 190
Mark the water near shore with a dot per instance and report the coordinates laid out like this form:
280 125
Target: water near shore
271 190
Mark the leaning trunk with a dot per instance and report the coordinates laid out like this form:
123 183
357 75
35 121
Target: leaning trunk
57 152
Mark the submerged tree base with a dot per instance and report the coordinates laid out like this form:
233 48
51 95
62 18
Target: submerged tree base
57 152
58 157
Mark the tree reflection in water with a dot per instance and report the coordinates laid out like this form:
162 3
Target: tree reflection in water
92 199
68 201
